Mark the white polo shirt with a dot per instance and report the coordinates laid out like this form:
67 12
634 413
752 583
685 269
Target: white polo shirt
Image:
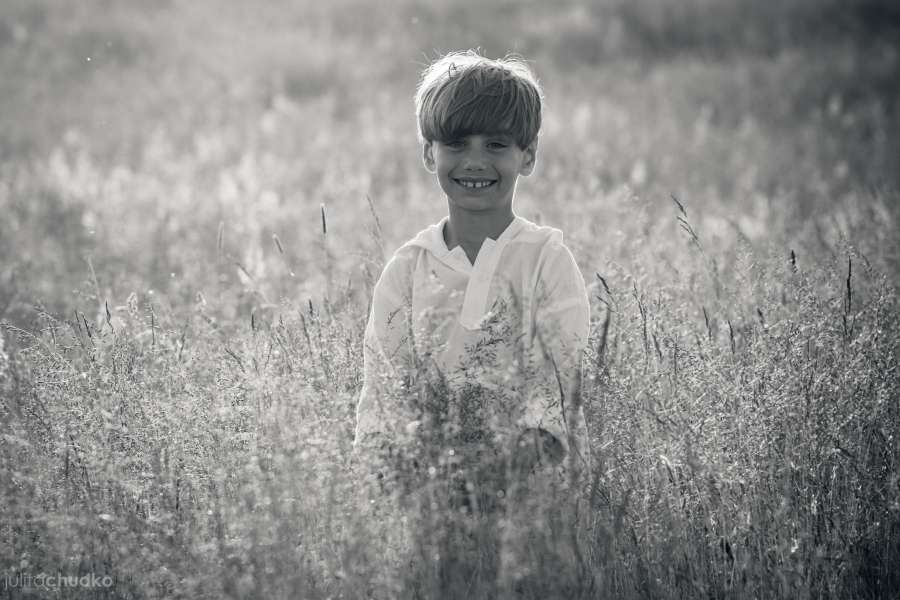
512 327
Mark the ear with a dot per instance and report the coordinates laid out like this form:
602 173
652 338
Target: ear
428 157
529 158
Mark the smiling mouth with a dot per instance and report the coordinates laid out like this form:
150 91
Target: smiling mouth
475 184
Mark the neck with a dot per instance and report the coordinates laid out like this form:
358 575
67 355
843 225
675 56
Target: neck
469 229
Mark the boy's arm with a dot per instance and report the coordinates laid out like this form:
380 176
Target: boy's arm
561 328
380 413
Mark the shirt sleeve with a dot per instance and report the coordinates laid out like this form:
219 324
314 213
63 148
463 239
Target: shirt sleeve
561 328
380 412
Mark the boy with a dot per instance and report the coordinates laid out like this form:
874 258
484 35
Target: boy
474 340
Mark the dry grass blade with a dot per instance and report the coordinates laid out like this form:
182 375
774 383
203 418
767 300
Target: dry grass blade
220 239
379 235
236 358
679 204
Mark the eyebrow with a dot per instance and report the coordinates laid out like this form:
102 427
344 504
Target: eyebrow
490 134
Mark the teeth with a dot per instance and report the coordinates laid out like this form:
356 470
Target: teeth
475 184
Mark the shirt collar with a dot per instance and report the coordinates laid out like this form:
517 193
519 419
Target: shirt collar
457 256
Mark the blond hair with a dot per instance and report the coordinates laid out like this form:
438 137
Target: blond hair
464 93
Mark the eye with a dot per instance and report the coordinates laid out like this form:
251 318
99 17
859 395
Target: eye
454 144
498 145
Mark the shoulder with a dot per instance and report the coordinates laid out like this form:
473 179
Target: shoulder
396 277
400 263
533 234
549 253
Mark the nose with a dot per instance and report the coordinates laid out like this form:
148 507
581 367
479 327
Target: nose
474 160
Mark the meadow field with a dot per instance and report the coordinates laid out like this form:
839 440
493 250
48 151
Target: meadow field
196 199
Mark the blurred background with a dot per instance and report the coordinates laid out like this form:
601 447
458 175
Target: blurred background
157 147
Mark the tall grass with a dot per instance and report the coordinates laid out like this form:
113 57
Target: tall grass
743 417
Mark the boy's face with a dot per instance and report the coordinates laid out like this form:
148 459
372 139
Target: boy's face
479 172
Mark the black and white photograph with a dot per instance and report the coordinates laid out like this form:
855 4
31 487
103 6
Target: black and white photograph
450 299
